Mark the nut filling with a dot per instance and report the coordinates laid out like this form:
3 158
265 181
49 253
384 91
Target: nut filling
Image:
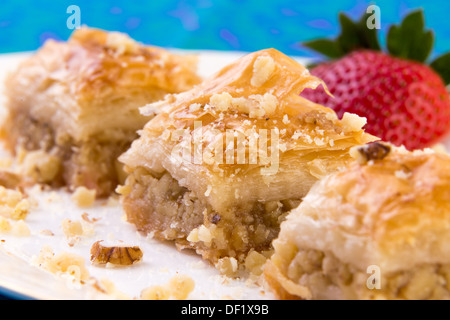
93 164
160 206
328 278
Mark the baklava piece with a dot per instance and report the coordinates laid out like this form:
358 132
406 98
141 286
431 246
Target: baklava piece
73 106
222 164
378 230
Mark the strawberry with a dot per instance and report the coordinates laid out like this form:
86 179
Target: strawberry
404 100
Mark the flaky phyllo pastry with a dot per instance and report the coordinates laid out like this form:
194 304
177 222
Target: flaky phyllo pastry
380 229
74 105
218 169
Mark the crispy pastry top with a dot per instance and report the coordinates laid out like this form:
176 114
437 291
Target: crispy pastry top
393 212
254 99
93 62
96 75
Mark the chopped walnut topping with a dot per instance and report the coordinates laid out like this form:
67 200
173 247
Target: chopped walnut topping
116 255
353 121
222 101
195 107
256 106
262 70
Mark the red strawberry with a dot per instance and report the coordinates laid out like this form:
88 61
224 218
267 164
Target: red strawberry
404 100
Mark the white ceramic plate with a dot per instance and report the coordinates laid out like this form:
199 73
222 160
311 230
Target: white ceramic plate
19 278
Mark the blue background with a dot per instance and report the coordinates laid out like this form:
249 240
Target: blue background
245 25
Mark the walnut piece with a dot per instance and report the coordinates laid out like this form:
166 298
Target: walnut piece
9 179
372 151
119 255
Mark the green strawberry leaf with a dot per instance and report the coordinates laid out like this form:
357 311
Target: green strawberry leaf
442 66
409 40
349 39
327 47
353 36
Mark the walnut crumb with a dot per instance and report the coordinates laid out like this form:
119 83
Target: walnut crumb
13 204
179 287
84 197
227 266
65 263
72 228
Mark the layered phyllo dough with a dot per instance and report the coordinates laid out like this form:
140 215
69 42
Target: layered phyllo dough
73 106
378 230
220 166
